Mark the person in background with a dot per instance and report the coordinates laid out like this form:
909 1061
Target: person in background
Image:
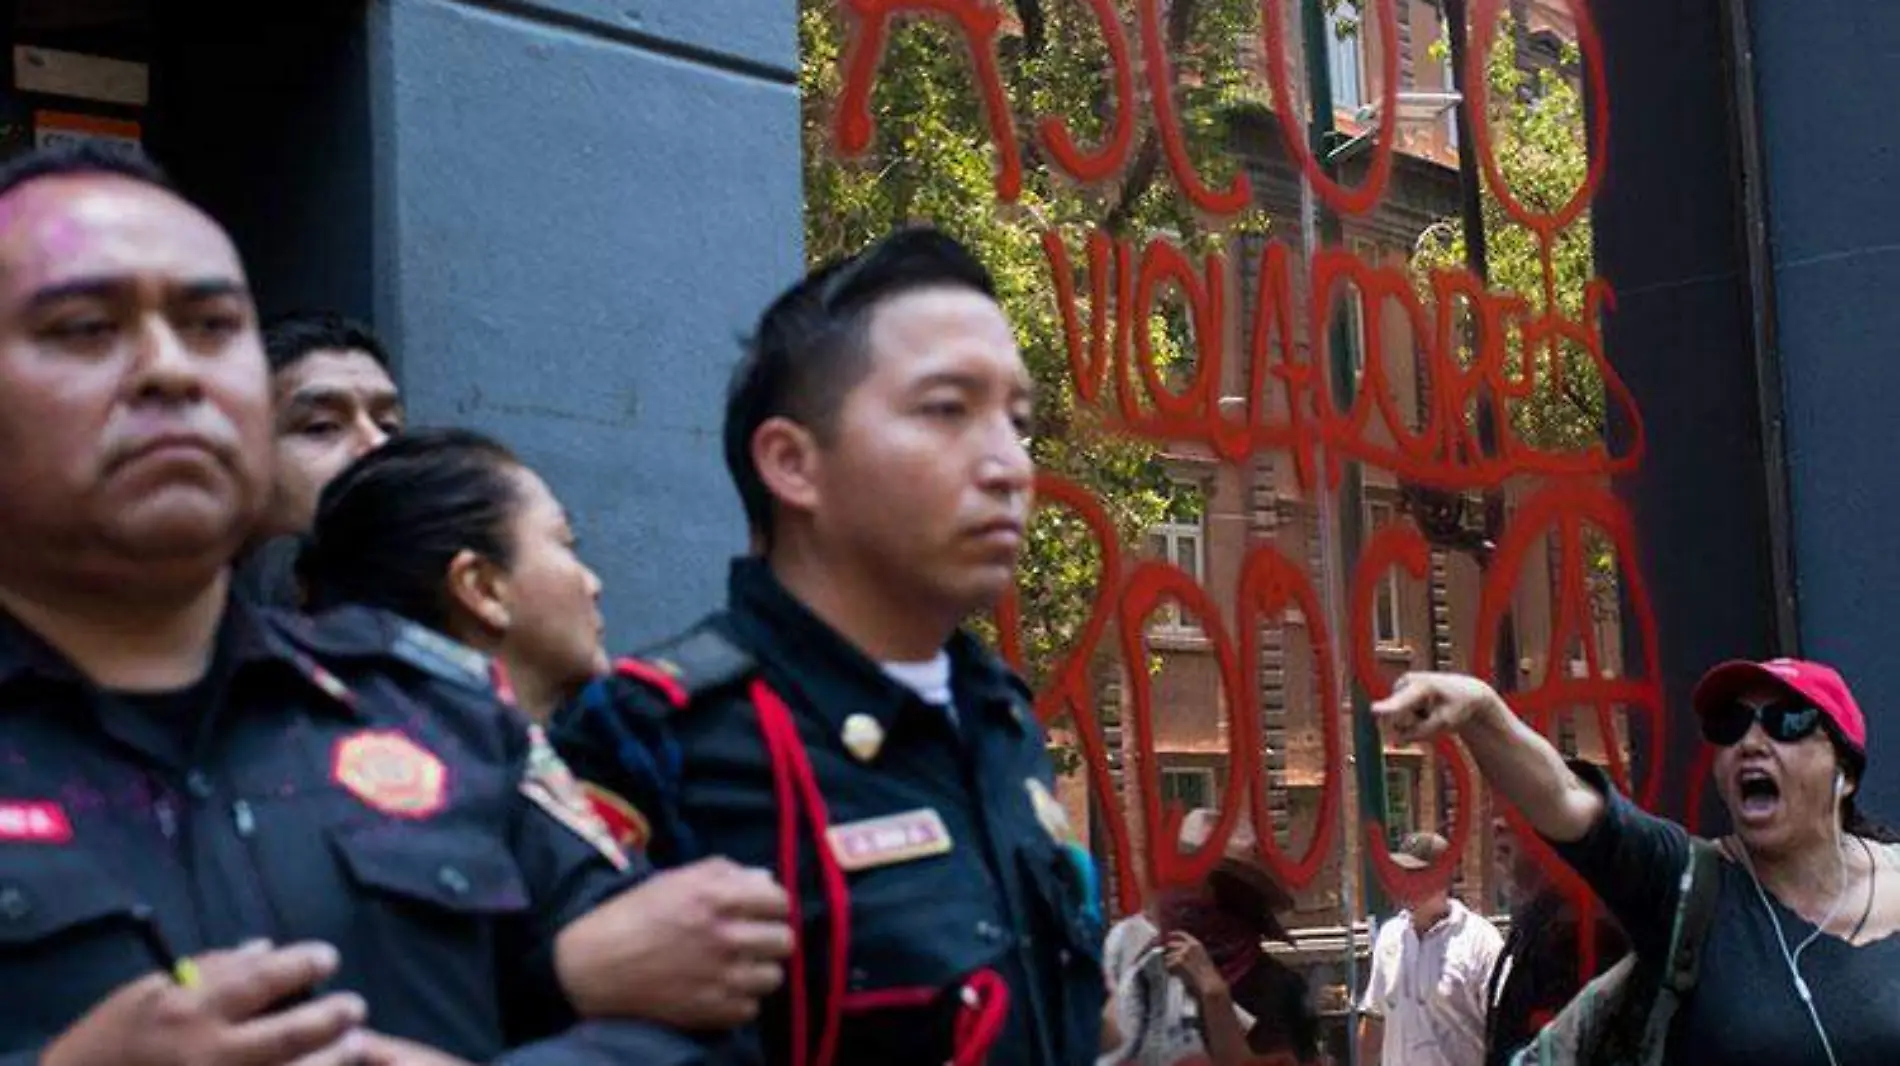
234 837
1424 1001
1189 980
450 529
334 400
1800 965
1541 967
833 720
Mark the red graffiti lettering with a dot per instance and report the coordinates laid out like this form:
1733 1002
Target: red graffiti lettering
1089 168
1306 416
979 22
1456 347
1346 201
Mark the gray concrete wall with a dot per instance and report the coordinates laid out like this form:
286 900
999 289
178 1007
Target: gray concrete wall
579 208
1831 128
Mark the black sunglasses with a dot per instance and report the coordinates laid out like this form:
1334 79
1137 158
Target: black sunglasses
1784 722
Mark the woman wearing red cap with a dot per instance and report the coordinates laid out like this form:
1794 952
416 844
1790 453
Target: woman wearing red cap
1800 966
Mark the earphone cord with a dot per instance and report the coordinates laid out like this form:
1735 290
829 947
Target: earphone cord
1793 958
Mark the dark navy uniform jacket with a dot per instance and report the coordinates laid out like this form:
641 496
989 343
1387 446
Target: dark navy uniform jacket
944 909
351 779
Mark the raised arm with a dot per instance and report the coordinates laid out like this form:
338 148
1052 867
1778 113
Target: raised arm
1513 757
1633 860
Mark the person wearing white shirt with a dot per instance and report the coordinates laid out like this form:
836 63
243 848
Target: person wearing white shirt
1424 1003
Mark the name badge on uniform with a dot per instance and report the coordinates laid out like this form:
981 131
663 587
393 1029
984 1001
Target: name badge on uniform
34 822
889 840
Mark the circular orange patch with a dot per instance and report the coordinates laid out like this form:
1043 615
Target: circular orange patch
391 773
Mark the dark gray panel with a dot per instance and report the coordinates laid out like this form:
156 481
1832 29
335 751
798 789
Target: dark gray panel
273 140
1666 231
1825 73
575 233
1826 81
1841 317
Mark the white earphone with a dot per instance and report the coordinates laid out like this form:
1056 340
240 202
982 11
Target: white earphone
1793 958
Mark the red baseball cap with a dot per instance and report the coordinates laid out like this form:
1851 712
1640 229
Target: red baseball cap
1820 685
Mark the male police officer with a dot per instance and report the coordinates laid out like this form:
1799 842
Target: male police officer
335 401
833 722
181 773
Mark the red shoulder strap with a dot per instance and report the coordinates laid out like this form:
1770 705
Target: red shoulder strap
648 674
794 784
984 998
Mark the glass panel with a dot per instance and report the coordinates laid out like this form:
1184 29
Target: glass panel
1173 274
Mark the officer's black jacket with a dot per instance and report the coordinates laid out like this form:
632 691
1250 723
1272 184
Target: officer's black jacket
351 779
684 748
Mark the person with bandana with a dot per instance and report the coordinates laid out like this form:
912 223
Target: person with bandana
1190 979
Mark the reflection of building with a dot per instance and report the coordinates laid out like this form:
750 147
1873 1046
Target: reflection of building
1413 624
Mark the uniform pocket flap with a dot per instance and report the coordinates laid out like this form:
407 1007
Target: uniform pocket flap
53 893
457 869
924 941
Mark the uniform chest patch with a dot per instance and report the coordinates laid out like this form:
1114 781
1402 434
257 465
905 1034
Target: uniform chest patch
629 828
34 822
551 786
391 773
889 840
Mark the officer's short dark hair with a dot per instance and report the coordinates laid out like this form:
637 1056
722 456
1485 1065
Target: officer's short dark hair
390 524
809 349
75 158
290 337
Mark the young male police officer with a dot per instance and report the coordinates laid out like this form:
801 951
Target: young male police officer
833 722
334 401
181 775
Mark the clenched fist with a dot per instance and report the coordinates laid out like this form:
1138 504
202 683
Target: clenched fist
696 948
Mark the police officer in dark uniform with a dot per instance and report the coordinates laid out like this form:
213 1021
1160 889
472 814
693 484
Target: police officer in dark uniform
228 836
833 723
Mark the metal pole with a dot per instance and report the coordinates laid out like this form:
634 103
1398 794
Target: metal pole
1368 753
1471 197
1750 166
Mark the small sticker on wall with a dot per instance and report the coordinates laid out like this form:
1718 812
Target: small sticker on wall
53 128
57 73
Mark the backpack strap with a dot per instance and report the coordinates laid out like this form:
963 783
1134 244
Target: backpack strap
1695 913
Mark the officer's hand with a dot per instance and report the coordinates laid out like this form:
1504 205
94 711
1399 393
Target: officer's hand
225 1020
695 948
380 1050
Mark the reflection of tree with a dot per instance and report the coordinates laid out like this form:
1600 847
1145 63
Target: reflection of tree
933 160
1538 134
1537 129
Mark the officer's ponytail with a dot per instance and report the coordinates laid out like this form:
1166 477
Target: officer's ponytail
389 526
